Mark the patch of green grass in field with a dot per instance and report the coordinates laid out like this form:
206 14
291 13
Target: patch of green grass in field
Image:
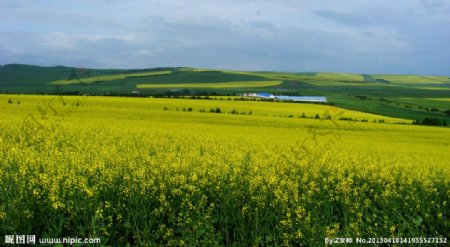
440 103
233 84
17 75
434 88
439 99
320 79
339 77
413 79
393 107
196 77
109 77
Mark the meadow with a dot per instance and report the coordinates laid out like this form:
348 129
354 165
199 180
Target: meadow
414 79
104 78
232 85
183 172
373 93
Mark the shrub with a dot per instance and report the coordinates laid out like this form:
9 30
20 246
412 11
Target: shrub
430 122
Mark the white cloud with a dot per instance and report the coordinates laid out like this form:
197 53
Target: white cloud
56 41
354 36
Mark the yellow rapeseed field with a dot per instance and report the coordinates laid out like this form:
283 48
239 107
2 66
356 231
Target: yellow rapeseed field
179 172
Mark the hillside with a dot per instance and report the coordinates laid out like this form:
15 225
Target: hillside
402 96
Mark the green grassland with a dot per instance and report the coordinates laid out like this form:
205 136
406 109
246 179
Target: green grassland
413 79
234 84
161 172
376 94
438 103
107 78
339 77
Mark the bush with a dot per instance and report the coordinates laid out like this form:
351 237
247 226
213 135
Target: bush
361 97
216 110
430 122
346 119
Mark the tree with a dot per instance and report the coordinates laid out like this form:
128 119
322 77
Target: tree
430 121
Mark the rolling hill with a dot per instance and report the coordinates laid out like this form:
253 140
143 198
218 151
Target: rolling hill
403 96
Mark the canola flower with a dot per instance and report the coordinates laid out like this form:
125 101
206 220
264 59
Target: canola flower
131 172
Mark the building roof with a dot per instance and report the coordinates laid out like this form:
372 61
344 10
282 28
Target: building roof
302 98
265 94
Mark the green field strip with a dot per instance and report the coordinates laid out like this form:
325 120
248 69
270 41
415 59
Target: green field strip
233 84
413 79
438 99
339 77
109 77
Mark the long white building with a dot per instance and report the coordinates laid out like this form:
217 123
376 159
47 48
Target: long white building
287 97
302 98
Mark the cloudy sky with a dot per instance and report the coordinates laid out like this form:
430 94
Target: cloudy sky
384 36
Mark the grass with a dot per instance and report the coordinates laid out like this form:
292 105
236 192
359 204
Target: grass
434 88
414 79
439 99
234 84
108 78
394 108
199 77
440 103
339 77
343 90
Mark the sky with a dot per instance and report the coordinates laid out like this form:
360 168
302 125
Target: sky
352 36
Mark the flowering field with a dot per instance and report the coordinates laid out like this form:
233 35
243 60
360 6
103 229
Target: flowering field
153 172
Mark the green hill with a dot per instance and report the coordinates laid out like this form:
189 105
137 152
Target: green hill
404 96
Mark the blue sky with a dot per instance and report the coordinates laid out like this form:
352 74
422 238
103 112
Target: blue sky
358 36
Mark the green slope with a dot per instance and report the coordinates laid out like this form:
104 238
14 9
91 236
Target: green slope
403 96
